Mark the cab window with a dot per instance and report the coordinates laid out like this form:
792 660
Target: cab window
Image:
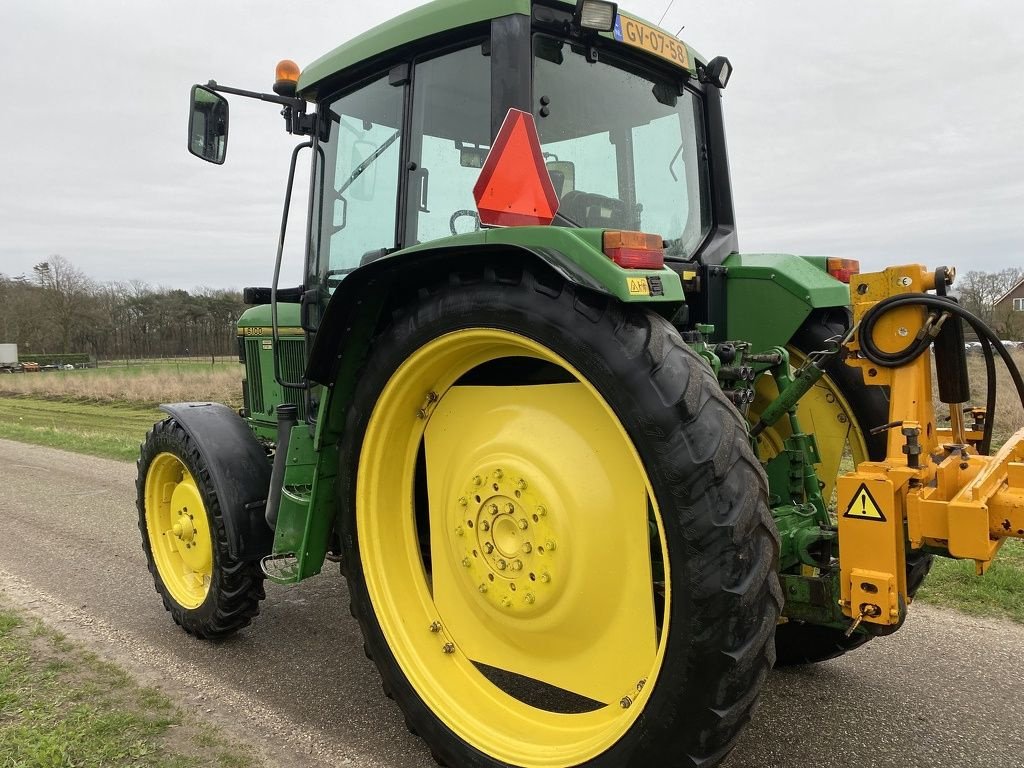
451 133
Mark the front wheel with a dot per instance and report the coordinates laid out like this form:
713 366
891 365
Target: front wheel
207 591
556 537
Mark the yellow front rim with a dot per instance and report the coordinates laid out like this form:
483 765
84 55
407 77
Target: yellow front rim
179 531
824 412
538 583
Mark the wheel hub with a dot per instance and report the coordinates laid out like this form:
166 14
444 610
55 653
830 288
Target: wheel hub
506 542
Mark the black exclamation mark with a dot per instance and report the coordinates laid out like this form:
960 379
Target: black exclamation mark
864 505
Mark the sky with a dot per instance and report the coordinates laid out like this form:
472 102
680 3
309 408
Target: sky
892 132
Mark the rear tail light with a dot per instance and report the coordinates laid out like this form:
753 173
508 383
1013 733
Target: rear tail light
843 269
635 250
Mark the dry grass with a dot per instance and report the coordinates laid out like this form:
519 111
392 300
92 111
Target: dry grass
1009 413
145 384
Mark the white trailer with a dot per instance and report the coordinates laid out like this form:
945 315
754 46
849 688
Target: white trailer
8 354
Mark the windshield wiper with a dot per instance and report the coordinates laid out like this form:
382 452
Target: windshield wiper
368 162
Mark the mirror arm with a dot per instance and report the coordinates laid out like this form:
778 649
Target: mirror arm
299 105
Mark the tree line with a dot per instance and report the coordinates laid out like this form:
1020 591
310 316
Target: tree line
58 309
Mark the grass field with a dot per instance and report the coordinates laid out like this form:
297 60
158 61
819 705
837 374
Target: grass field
1000 592
111 431
62 706
138 384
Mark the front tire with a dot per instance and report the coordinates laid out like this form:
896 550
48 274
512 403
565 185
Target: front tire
556 537
207 591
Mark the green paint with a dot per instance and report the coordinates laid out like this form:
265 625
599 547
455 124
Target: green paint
791 286
262 393
423 21
582 247
814 599
306 516
259 316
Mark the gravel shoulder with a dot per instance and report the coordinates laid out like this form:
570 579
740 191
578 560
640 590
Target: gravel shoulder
947 690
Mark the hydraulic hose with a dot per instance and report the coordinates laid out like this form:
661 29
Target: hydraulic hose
937 306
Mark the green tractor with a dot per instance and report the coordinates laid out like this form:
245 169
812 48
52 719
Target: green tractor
576 453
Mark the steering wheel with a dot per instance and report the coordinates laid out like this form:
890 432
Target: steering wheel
459 214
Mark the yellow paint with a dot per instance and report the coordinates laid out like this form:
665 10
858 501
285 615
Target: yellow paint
178 530
955 500
638 286
863 506
590 625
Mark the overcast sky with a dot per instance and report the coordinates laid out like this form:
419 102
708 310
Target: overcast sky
885 131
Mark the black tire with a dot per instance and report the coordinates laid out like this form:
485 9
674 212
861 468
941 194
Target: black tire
721 541
796 642
235 587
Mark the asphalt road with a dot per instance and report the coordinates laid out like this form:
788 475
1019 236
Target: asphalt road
947 690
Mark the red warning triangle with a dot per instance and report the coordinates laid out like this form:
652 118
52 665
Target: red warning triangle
514 188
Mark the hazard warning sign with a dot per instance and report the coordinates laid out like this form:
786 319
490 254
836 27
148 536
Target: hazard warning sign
864 506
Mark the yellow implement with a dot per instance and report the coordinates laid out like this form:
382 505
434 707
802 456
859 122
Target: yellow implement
933 490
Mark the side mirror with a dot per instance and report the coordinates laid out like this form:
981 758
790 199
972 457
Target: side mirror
208 125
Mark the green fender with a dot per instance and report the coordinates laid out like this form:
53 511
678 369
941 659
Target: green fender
355 309
770 295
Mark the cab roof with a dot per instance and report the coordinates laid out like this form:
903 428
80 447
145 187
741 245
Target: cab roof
421 22
428 19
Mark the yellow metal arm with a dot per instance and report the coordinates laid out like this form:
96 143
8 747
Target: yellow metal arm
932 489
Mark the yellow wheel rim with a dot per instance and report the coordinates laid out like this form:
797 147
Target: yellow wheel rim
178 530
540 570
823 412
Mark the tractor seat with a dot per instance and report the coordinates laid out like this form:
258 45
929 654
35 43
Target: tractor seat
591 210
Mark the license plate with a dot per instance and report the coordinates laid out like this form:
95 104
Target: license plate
640 35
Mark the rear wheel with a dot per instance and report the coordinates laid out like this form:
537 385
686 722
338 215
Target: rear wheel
840 411
207 591
556 537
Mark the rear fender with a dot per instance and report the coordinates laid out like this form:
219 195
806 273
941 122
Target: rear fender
239 472
365 296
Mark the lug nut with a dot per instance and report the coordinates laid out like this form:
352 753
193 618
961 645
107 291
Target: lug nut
477 480
530 598
510 508
550 545
502 565
459 531
435 627
527 548
545 577
506 601
488 547
498 474
521 485
494 509
523 525
517 565
463 501
541 510
626 702
466 562
482 588
448 648
484 525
